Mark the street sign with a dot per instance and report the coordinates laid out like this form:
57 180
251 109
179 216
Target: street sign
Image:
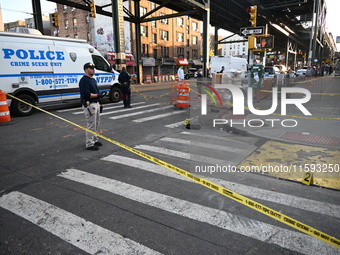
246 31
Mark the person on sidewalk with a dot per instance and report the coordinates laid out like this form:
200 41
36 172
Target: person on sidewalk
124 80
222 70
180 73
90 95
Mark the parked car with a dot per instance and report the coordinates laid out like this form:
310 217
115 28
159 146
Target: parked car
190 73
301 71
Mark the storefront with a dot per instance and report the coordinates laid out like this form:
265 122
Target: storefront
129 61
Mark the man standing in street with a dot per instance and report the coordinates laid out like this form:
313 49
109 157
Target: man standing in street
124 80
180 73
90 95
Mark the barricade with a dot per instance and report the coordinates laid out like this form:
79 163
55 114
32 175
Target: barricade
155 78
148 79
176 77
4 110
165 78
183 90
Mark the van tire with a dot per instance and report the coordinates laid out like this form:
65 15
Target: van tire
21 109
115 95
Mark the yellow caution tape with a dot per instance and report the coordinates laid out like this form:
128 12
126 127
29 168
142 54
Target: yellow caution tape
146 97
215 187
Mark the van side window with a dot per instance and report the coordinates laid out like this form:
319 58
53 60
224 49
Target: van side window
101 63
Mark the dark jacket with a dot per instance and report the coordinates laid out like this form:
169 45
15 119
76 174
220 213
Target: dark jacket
87 86
124 77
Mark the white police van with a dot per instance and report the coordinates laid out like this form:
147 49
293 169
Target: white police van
46 69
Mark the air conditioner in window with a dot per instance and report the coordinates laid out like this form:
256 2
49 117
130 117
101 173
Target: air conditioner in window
66 28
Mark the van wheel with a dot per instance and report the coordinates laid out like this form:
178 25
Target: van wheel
21 109
115 95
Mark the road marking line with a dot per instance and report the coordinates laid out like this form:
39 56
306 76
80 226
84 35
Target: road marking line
157 116
69 227
224 138
285 238
142 112
129 109
204 145
111 107
183 155
276 197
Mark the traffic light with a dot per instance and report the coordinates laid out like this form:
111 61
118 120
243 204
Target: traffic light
93 13
252 13
252 42
267 42
55 19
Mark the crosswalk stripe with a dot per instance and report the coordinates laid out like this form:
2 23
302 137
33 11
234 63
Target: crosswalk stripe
112 107
276 197
130 109
142 112
204 145
75 230
183 155
224 138
177 124
157 116
285 238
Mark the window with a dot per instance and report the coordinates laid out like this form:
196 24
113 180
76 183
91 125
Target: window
154 38
153 6
180 52
188 42
87 19
164 35
180 37
180 22
154 23
65 9
165 51
100 63
66 24
194 26
164 21
145 49
143 11
194 40
144 31
188 30
195 54
75 22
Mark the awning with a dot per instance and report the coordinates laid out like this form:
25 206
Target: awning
182 62
197 62
130 63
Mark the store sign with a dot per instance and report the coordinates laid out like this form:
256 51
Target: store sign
148 61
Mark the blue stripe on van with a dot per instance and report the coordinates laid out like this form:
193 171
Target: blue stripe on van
44 74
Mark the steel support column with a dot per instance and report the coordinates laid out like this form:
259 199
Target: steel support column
37 15
138 42
206 22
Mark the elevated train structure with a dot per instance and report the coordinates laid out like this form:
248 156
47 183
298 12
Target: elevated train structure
298 26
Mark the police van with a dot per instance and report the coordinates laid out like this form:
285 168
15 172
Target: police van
45 69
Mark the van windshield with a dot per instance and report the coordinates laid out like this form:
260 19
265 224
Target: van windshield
101 64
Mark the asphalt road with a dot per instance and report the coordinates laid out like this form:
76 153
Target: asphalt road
58 198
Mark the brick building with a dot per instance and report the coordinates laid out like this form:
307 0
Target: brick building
165 44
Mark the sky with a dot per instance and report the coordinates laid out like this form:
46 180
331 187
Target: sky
13 10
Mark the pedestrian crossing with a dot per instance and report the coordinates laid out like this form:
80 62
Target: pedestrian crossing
92 238
139 109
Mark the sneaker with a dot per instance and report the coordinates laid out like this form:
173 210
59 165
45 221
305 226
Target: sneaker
98 144
92 148
129 106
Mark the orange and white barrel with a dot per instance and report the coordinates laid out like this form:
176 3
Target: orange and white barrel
183 91
4 109
148 79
